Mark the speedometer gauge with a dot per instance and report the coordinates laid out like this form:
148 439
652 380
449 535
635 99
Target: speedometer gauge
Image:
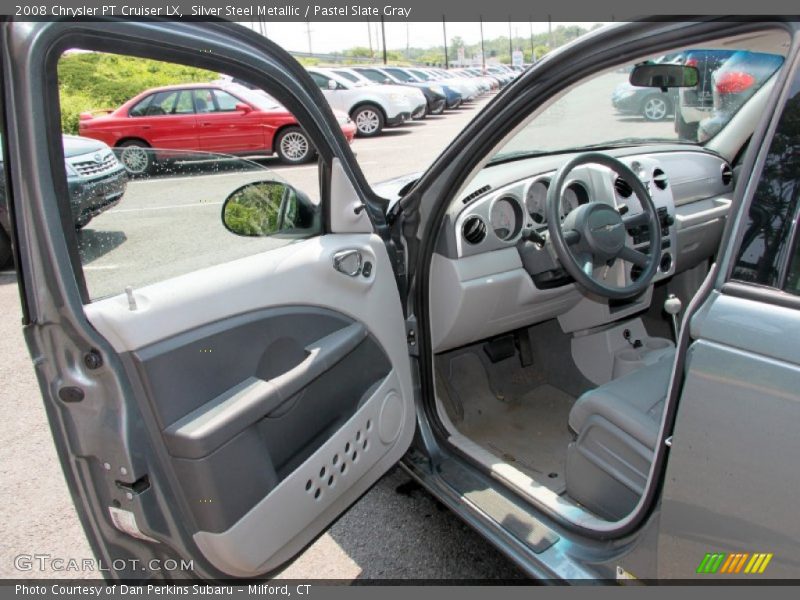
536 201
505 218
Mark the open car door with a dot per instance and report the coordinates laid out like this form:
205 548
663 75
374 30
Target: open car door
222 415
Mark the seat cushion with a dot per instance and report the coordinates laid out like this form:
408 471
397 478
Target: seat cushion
633 402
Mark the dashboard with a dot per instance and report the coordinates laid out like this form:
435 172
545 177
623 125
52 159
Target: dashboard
488 279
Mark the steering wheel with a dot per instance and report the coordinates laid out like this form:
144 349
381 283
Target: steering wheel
594 234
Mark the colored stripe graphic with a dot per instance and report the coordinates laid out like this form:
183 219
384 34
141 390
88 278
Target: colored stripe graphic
734 563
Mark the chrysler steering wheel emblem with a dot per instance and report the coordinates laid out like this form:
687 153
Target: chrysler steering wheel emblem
608 227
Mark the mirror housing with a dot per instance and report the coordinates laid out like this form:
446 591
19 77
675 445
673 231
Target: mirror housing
664 76
270 208
243 108
332 85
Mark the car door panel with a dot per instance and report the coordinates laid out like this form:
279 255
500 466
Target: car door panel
280 392
205 406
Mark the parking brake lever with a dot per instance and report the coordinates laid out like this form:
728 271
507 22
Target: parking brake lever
672 306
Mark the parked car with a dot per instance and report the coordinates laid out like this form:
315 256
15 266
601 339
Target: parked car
435 98
415 96
584 344
95 178
648 103
695 104
469 91
370 108
453 97
174 121
733 84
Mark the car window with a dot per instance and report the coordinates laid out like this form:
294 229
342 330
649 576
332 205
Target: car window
140 108
402 76
225 102
162 104
184 105
769 241
373 75
148 204
320 80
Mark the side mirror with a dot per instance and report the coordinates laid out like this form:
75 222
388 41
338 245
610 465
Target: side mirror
266 208
387 81
332 85
243 108
664 76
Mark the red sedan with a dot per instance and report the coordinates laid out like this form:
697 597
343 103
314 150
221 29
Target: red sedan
223 118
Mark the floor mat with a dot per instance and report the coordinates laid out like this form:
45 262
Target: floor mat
528 431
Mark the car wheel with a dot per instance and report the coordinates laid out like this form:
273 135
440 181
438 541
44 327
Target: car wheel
368 120
293 146
439 110
136 157
457 104
655 108
5 249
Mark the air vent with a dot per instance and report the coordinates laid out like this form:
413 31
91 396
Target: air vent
727 174
474 230
480 191
623 188
660 179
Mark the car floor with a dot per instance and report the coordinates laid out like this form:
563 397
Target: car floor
519 414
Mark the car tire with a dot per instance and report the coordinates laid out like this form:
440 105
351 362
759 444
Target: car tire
5 249
685 131
655 108
457 104
368 119
293 146
136 157
439 110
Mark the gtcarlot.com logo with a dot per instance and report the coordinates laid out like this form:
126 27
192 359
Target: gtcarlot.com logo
48 562
734 563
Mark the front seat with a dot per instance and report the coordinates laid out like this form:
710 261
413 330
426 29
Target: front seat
616 427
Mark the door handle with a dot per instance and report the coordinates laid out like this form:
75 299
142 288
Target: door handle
348 262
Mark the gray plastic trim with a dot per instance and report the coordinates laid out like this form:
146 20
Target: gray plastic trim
359 451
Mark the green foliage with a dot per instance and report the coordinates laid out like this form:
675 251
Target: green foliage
90 81
254 210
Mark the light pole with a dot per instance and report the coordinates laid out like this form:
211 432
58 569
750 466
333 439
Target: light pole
483 51
383 35
444 35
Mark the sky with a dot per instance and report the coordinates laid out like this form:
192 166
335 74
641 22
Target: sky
329 37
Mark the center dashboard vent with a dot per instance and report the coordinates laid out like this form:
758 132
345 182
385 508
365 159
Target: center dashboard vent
727 174
660 179
474 230
623 188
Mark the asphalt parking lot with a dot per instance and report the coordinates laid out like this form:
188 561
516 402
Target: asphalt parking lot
395 531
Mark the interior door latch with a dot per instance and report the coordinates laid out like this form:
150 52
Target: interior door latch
348 262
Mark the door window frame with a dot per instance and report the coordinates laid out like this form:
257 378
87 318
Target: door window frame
275 70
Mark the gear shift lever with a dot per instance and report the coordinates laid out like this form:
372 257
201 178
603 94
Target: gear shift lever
672 306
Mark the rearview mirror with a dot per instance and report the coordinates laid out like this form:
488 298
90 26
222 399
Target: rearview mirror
664 76
243 108
266 208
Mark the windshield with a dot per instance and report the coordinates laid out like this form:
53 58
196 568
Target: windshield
605 110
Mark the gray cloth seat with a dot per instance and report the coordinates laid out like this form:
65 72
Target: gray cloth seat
616 427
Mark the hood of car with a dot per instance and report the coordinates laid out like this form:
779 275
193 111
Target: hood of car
390 189
75 146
